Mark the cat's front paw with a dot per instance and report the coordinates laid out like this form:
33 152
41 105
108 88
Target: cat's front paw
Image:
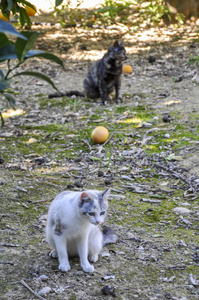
64 267
103 101
88 268
119 99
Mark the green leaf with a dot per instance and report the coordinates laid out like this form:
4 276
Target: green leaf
4 84
95 158
7 28
22 47
58 2
4 40
10 99
1 74
38 75
7 52
173 157
2 120
24 17
46 55
10 4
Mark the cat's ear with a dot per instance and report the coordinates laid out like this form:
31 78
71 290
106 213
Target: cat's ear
84 197
116 44
122 42
106 194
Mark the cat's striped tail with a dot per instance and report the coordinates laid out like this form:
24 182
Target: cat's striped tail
109 236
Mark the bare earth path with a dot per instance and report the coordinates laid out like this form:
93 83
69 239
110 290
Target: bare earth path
151 165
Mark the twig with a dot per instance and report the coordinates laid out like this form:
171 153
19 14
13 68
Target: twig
122 241
107 141
29 288
41 201
87 143
194 282
178 176
8 245
6 263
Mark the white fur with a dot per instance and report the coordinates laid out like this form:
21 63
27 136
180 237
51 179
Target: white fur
80 234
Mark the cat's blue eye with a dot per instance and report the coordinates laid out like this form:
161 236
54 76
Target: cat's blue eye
91 214
102 213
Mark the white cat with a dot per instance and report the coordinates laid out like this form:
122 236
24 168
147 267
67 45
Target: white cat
72 227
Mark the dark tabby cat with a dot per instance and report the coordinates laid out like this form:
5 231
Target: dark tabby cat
103 76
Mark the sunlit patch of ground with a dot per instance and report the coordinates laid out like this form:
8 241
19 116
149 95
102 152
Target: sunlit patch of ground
48 5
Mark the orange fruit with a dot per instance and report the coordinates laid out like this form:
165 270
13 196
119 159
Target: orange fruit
100 134
2 17
30 11
127 69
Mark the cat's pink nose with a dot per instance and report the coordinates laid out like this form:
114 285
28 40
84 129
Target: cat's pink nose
97 222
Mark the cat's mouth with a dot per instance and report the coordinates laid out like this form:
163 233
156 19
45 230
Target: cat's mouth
123 57
96 222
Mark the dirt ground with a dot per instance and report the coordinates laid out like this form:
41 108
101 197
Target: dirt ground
151 165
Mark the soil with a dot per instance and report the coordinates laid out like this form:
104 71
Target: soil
151 165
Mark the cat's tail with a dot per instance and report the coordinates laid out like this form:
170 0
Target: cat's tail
69 93
109 236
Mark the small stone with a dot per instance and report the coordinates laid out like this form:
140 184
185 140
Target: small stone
37 269
182 210
32 140
167 135
171 279
182 243
77 160
107 277
70 186
78 184
2 181
100 173
168 296
43 277
144 125
79 273
83 48
179 79
166 118
196 258
105 254
151 59
40 160
107 181
44 291
108 290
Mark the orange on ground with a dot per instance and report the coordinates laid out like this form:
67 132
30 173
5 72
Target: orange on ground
100 134
30 11
127 69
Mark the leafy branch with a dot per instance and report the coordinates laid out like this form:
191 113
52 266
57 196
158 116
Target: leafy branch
20 51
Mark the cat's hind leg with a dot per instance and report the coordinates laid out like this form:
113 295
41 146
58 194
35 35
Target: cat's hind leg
60 242
95 243
53 254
